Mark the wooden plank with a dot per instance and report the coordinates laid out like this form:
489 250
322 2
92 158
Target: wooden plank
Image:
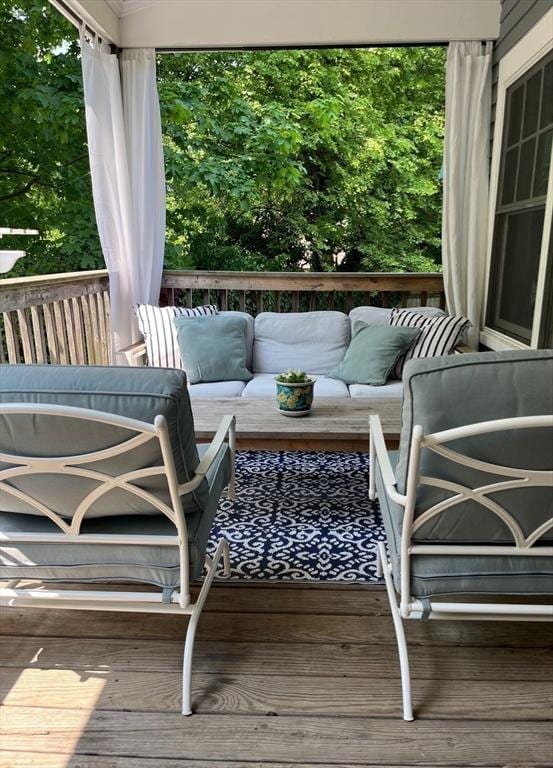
80 343
331 418
295 301
281 695
70 330
3 347
363 282
95 326
56 760
89 334
22 292
103 341
51 336
107 319
37 315
368 661
242 737
25 336
12 341
278 628
59 330
259 301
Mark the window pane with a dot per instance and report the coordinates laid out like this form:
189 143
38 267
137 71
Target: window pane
532 105
524 185
516 261
542 163
547 96
515 115
509 179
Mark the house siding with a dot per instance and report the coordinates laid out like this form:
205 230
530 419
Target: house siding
517 18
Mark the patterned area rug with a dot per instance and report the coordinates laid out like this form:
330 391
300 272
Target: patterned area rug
301 516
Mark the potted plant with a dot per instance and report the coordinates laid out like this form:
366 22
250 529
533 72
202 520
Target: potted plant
294 393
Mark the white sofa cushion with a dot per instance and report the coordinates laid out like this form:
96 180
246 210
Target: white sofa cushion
381 315
393 390
264 385
312 341
216 389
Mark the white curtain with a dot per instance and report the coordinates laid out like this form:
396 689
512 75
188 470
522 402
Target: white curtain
147 172
466 171
126 165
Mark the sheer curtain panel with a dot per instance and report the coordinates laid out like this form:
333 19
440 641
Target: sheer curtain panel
128 187
466 172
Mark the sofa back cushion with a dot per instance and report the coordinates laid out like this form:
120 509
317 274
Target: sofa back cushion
442 393
382 315
312 341
137 393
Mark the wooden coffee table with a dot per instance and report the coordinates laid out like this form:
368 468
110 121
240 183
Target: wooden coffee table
334 424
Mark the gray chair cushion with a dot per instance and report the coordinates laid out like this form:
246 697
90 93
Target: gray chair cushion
116 562
381 315
446 392
433 575
138 393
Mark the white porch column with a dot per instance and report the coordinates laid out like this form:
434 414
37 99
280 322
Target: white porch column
466 172
128 186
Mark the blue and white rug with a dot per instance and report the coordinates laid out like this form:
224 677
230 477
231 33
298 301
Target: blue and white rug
300 516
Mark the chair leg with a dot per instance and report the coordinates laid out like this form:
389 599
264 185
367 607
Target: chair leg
221 551
400 634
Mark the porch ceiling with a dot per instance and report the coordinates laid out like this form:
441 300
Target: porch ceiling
252 23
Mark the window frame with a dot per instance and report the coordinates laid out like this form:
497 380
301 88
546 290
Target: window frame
536 44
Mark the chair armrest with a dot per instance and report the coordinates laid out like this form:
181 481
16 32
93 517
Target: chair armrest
134 353
379 451
226 427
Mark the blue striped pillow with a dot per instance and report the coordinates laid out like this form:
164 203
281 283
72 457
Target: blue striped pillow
156 326
439 336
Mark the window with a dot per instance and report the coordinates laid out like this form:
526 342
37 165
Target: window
519 286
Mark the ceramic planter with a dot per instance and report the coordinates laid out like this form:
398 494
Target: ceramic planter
295 399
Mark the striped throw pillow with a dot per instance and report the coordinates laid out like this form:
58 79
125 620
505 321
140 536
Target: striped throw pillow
156 325
440 334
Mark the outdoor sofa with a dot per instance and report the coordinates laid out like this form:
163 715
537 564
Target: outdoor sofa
101 481
467 501
315 342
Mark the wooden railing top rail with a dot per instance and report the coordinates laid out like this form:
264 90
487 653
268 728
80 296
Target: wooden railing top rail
305 281
18 293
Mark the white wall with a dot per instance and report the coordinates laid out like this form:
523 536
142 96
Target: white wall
213 23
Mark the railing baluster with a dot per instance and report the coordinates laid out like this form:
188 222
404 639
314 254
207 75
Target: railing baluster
59 328
51 337
38 335
70 329
11 337
25 336
79 333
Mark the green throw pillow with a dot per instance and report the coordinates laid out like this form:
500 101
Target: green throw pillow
213 348
373 353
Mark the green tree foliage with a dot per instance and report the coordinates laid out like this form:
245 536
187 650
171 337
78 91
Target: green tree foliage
44 170
275 160
326 158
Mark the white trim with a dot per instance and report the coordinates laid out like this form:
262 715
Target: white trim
537 42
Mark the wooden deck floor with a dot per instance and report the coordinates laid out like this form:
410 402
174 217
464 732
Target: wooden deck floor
286 676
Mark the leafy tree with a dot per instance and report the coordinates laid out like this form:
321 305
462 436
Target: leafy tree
44 170
323 158
326 159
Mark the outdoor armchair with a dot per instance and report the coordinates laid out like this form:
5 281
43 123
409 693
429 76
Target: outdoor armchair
467 501
101 480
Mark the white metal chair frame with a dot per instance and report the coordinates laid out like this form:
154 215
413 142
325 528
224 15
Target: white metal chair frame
412 608
119 600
